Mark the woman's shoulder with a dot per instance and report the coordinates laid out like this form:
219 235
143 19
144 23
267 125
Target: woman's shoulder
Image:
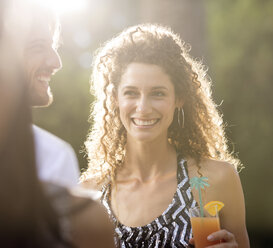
90 184
93 186
221 175
217 172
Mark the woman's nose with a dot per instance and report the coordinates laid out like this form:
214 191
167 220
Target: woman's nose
143 105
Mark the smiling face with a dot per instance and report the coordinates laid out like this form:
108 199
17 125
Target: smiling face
146 101
41 61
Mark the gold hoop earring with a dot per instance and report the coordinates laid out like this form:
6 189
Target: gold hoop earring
180 111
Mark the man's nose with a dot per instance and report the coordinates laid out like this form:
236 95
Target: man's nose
53 60
144 105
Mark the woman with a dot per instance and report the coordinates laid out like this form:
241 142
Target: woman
33 214
155 127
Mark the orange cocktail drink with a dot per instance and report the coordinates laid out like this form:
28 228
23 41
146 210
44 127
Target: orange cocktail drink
202 227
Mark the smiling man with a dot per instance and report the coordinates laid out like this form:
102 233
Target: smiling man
41 60
56 160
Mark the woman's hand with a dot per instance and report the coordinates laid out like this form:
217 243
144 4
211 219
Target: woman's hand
227 239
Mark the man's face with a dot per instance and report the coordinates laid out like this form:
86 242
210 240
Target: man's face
41 61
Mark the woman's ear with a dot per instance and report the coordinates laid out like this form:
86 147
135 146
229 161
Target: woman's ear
179 102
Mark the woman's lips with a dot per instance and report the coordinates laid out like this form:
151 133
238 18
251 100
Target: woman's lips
144 122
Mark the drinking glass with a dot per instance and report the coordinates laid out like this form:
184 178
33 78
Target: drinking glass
203 226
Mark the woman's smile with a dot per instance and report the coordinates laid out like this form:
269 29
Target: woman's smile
145 122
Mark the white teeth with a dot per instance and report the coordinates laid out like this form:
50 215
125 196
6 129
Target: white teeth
43 78
145 122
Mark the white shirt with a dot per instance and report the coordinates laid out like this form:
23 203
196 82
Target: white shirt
56 160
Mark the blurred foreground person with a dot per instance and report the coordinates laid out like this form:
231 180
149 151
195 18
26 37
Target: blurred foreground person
155 127
32 214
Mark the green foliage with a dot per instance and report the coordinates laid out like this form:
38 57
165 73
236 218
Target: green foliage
241 62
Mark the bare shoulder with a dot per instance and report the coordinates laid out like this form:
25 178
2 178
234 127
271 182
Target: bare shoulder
216 171
90 184
219 172
87 189
222 178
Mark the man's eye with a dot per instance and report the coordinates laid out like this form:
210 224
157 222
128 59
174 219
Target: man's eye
37 47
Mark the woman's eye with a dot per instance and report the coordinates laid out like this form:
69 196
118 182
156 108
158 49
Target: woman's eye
158 93
130 93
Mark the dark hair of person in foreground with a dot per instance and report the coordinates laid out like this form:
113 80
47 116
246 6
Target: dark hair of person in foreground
27 219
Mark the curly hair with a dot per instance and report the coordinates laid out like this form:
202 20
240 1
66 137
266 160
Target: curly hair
203 133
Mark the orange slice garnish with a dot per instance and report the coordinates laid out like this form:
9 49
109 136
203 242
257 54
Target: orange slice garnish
213 207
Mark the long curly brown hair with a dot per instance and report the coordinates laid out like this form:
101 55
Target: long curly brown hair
202 135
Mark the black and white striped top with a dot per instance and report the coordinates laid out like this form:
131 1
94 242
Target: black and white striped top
171 229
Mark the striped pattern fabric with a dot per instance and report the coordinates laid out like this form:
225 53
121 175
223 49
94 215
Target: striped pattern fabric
171 229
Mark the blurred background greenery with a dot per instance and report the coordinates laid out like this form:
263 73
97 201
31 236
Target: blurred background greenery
235 41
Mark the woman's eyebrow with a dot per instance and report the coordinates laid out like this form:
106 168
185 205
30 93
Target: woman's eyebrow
128 87
159 88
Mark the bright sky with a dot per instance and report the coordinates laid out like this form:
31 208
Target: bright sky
64 6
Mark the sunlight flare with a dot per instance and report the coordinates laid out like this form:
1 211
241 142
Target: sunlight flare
64 6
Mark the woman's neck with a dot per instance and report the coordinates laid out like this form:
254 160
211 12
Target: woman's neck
147 161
